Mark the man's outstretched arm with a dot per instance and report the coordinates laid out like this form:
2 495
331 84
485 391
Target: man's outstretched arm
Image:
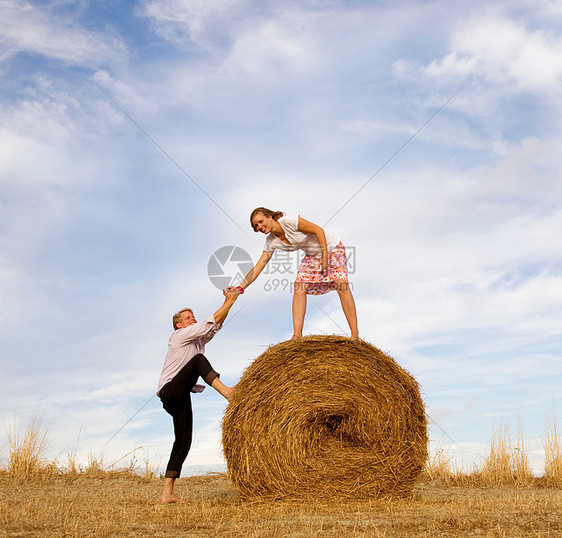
229 300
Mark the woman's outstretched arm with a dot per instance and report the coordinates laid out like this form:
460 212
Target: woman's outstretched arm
257 269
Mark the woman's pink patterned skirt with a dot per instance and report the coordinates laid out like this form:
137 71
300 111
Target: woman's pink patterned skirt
310 271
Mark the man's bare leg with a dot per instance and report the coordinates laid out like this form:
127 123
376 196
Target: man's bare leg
168 496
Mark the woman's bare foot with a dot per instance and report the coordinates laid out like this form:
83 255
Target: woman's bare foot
296 336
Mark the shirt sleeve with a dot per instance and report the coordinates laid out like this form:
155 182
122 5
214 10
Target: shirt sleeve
209 335
290 223
202 329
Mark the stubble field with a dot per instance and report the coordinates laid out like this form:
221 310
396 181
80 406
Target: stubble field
124 504
40 497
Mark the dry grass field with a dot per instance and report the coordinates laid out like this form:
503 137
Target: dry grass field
127 505
501 499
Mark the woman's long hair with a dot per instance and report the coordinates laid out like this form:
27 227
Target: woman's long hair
275 215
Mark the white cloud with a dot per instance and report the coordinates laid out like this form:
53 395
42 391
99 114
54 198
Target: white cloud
35 125
542 9
503 51
378 129
451 239
530 173
27 28
273 46
179 22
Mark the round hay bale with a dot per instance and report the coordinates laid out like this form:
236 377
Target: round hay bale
323 417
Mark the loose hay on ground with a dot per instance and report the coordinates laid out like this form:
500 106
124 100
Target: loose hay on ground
325 416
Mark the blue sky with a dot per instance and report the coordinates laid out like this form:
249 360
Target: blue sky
293 106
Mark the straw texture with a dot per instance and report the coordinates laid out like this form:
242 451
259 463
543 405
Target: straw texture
323 417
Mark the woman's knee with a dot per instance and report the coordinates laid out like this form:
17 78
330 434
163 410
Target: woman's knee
300 287
342 287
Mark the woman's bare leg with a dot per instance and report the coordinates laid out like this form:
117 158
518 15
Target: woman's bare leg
299 308
348 306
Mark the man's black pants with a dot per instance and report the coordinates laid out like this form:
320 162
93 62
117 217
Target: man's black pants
176 400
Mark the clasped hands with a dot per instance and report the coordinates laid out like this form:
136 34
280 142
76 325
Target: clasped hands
231 292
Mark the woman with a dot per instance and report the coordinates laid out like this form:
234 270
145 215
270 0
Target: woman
323 268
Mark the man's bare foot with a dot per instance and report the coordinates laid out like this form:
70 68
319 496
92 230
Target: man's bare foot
222 389
170 498
228 392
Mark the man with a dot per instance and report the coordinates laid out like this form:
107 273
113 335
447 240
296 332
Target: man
183 365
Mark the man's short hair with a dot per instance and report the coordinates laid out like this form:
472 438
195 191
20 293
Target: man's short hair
176 318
